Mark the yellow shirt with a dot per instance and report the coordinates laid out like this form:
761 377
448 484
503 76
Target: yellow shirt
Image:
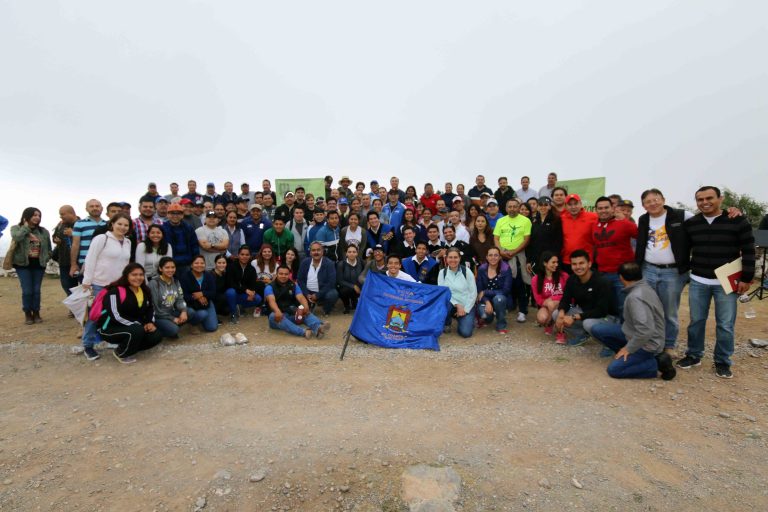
139 296
512 231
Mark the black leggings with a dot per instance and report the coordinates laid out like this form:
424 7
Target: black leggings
130 339
348 296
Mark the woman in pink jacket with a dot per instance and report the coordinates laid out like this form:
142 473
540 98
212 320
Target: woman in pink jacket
548 285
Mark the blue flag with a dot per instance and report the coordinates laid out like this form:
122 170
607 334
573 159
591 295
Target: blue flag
398 314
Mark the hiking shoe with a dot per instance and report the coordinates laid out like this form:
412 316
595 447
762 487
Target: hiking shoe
560 338
227 340
322 329
521 317
548 330
124 360
241 339
308 334
233 319
606 352
688 362
577 342
91 354
666 367
723 371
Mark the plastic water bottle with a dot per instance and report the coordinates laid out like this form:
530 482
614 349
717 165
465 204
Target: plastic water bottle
749 310
300 315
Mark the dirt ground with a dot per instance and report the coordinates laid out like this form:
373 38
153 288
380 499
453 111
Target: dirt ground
517 417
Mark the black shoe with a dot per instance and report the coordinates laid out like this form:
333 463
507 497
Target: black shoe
688 362
346 311
28 318
233 319
723 371
666 367
91 354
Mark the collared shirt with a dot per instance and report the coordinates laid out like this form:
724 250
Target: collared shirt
312 282
402 276
141 227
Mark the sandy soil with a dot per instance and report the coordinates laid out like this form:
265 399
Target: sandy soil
517 417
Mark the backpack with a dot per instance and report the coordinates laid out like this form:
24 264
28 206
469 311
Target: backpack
98 308
461 266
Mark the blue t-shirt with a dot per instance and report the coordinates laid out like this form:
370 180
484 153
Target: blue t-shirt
83 229
296 290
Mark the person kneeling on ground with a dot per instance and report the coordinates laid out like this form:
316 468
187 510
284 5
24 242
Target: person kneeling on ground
547 286
200 295
168 299
587 300
128 320
639 341
459 279
284 298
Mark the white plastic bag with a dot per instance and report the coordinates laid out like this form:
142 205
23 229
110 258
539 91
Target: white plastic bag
77 303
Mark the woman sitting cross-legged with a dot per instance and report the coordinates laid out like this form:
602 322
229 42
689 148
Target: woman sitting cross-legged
168 299
127 321
494 286
200 295
547 286
460 280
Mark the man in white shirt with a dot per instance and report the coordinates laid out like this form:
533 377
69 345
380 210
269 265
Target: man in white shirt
526 192
546 191
393 269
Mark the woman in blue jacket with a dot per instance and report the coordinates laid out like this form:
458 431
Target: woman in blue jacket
200 295
494 288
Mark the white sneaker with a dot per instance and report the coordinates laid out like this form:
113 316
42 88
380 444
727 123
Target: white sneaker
227 340
521 317
241 339
256 312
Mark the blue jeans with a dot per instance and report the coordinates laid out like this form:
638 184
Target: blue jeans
583 328
609 335
167 327
669 284
499 303
287 324
618 291
90 335
465 324
639 365
31 279
206 317
67 282
699 297
234 298
327 299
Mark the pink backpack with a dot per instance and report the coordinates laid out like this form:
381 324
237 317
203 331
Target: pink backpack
98 308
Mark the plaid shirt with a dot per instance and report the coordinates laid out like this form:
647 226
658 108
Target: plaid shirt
141 228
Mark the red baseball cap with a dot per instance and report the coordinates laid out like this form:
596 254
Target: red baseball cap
185 201
572 197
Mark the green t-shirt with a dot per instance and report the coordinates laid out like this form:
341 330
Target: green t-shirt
512 231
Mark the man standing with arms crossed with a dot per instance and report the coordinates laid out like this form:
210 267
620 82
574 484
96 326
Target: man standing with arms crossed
82 234
511 235
715 239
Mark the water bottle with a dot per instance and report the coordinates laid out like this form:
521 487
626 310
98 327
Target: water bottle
300 315
749 310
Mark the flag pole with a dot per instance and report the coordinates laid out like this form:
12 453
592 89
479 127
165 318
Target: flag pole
346 336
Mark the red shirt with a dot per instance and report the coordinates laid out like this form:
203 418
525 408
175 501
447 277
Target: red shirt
577 233
430 202
613 243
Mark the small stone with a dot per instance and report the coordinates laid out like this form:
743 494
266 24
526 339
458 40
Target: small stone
222 474
545 483
200 503
7 481
754 435
287 485
441 459
344 488
724 414
679 391
750 418
510 437
258 475
576 483
384 463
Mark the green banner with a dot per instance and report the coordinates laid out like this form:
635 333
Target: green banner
314 186
589 189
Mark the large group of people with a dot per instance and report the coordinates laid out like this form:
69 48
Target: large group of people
207 258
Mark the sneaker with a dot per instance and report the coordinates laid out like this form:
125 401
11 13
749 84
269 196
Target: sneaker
688 362
124 360
324 328
241 339
227 340
548 330
723 371
560 338
502 331
233 319
256 312
666 367
577 342
91 354
521 317
606 352
308 334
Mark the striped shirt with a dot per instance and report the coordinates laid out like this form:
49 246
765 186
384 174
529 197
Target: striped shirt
722 241
83 230
141 228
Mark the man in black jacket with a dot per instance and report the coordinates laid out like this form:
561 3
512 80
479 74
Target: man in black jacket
588 300
714 240
242 283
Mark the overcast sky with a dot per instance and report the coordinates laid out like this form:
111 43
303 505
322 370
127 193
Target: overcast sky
98 98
